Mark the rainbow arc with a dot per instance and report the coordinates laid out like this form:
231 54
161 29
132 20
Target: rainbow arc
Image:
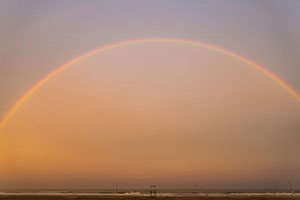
269 74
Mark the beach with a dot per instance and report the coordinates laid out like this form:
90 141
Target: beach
108 197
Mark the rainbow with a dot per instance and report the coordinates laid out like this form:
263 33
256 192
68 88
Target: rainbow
15 107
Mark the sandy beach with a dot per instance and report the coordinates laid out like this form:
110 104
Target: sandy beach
19 197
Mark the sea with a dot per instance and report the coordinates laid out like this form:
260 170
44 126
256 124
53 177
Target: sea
146 192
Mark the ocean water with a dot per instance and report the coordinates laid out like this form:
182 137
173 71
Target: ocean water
145 192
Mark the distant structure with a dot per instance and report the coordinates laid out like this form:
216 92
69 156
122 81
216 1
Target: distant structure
153 191
196 187
290 186
117 187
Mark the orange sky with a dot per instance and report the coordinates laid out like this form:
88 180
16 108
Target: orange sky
166 113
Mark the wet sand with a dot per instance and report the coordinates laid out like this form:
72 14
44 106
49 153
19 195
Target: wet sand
37 197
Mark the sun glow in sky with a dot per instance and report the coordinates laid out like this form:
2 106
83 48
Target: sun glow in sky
165 113
152 112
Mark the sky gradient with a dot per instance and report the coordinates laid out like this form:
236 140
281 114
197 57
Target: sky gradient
164 113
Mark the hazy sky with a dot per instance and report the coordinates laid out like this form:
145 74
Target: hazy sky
163 113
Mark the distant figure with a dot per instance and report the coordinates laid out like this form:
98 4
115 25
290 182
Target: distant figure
152 190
